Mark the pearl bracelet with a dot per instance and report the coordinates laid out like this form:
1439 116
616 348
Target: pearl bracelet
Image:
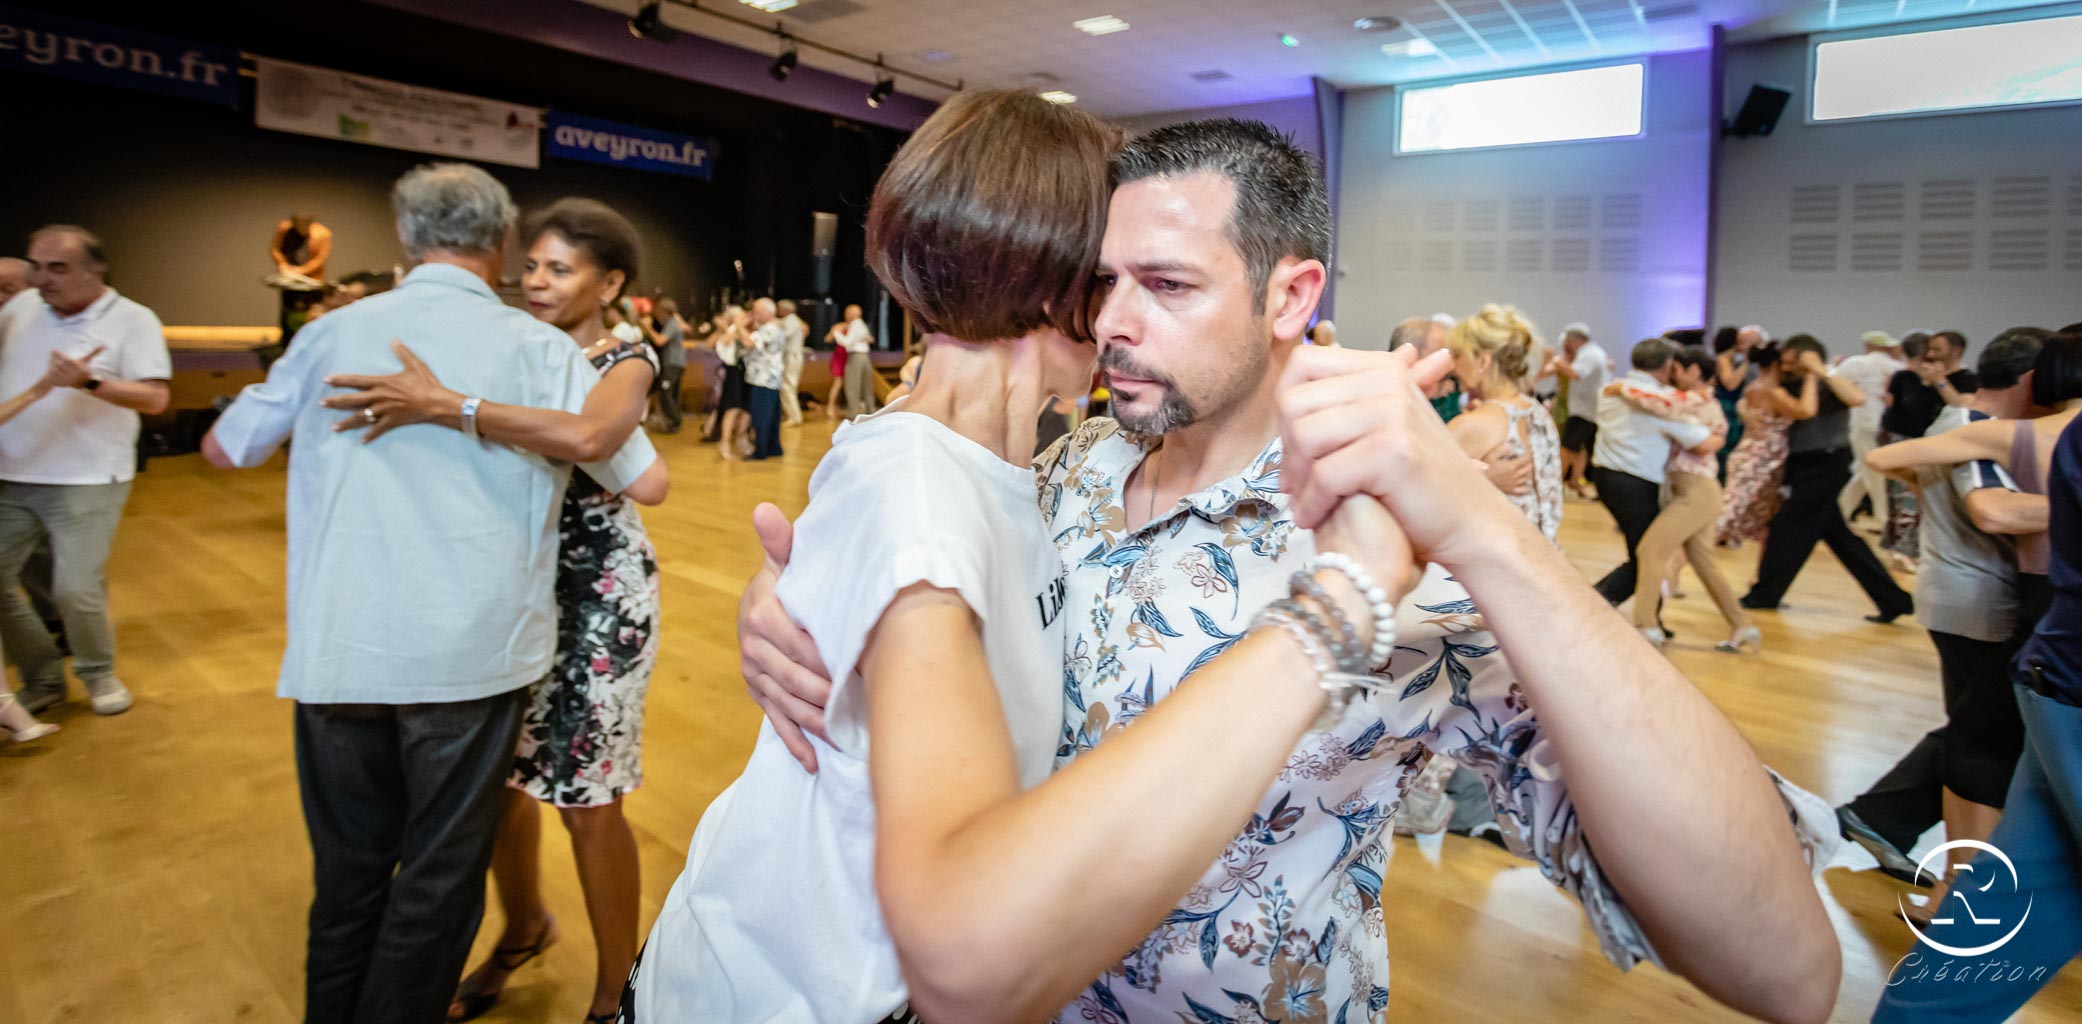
1376 600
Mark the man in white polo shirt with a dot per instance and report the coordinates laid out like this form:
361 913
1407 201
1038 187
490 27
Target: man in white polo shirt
66 462
1629 454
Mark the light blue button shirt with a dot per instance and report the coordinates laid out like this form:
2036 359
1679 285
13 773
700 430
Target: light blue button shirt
421 565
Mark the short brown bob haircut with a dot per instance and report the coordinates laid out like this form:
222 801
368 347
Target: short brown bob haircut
986 225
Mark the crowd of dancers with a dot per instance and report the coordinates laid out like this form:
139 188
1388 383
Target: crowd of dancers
1352 554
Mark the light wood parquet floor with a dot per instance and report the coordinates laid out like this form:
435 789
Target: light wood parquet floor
154 867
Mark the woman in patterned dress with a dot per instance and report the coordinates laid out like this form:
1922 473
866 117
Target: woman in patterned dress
1758 465
1491 352
580 742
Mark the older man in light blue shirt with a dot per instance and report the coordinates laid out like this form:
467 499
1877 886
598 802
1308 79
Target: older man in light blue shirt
421 568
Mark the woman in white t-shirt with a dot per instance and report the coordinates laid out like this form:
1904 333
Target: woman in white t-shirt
941 870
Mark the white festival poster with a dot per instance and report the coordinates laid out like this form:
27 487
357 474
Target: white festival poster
354 108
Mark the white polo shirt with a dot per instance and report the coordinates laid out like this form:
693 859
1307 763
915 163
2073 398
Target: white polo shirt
70 436
1634 442
1593 367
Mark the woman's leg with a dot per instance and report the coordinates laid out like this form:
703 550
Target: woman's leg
1702 497
1664 538
605 849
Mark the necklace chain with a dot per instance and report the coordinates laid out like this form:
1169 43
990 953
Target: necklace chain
1154 471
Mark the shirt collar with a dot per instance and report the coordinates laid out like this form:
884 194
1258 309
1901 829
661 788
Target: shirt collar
1643 378
93 311
451 275
1117 456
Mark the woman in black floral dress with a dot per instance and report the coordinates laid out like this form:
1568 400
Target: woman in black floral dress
580 743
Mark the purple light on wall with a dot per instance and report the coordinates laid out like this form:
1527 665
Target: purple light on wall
598 32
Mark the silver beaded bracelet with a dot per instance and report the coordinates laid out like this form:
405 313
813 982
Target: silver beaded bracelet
1376 601
1315 643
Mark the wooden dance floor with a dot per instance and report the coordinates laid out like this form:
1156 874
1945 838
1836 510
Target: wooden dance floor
154 867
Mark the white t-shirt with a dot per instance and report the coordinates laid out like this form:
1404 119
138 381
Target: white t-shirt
1592 368
1870 371
776 917
856 337
69 436
626 332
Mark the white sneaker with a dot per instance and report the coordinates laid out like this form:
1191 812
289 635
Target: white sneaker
108 696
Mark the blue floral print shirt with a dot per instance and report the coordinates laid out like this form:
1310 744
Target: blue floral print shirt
1286 926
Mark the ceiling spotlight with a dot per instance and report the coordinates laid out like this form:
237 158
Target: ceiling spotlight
769 6
783 65
649 24
883 87
1059 96
1378 23
1288 40
1103 25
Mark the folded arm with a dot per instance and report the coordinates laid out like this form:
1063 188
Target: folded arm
1996 510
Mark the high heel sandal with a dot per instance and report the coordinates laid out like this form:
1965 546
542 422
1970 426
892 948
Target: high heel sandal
475 1002
1747 638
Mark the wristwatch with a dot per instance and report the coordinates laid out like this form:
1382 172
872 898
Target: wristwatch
470 416
90 383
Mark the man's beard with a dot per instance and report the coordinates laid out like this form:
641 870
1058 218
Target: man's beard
1176 411
1173 413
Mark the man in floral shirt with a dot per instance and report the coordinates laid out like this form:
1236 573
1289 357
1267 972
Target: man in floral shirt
1174 531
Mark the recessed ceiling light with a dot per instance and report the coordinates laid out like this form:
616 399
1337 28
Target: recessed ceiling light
1411 48
1038 79
769 6
1287 39
936 56
1103 25
1059 96
1378 23
1210 75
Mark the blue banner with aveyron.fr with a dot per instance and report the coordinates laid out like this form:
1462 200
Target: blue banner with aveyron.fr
570 137
46 44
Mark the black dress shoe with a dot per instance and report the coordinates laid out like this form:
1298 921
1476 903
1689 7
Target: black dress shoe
1757 606
1890 615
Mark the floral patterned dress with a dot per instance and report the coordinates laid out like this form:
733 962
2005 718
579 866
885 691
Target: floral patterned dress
581 741
1755 472
1542 504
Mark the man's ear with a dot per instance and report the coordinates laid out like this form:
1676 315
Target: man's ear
1292 292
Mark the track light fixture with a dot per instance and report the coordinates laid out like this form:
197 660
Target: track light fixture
884 85
784 65
650 24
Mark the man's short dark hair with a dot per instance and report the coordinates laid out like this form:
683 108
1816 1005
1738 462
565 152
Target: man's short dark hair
594 228
1282 208
1914 344
89 242
2010 356
1805 343
1956 340
1652 354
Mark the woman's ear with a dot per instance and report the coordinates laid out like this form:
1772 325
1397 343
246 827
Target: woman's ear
611 286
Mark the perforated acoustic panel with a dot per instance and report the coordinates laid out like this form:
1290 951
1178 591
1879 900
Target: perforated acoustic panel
1487 234
2015 223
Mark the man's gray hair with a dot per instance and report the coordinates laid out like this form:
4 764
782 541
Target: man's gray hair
453 207
1409 332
